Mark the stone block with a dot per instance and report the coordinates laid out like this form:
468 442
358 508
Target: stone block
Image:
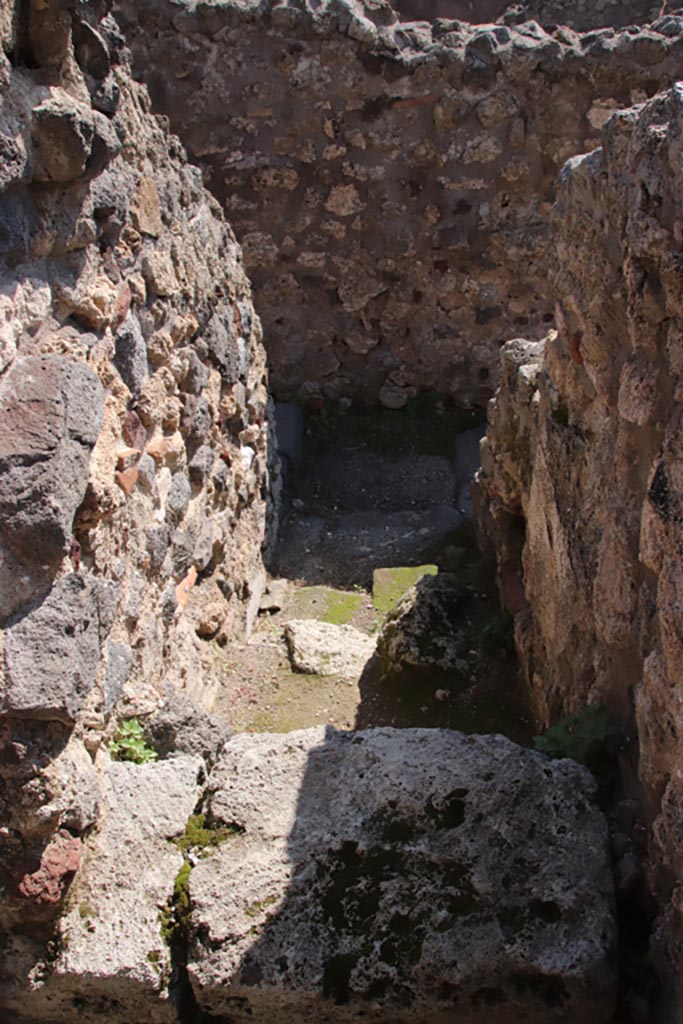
50 416
51 653
401 876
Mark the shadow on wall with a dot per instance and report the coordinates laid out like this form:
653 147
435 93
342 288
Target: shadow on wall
391 876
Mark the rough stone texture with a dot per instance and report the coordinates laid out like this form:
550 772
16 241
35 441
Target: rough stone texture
581 481
420 631
51 654
324 649
128 345
112 962
180 726
50 417
390 182
582 15
403 875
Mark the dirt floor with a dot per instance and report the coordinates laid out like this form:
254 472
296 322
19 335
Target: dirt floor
371 491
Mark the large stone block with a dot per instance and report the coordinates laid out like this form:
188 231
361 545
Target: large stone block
403 875
50 416
113 963
51 654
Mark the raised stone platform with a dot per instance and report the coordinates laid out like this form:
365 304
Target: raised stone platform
402 875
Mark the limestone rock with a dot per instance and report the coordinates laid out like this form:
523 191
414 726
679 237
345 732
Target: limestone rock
113 960
274 596
324 649
420 630
402 875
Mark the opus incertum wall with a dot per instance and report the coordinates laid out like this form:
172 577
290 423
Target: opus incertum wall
390 182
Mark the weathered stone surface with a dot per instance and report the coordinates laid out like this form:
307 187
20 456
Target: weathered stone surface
180 726
420 631
130 355
581 485
402 875
52 652
324 649
63 132
50 417
113 960
391 181
582 15
115 260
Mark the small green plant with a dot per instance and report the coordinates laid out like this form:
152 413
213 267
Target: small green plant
129 744
590 737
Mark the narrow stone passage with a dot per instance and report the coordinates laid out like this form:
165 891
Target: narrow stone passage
377 502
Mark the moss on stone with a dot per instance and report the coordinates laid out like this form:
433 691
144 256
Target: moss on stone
201 838
175 917
389 585
256 909
328 605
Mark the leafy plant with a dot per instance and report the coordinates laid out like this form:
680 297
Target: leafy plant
129 744
590 737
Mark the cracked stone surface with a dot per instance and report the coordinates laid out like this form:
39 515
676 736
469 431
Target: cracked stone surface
405 874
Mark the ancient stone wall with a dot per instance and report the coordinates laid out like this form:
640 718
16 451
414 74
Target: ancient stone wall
581 485
134 421
390 183
581 15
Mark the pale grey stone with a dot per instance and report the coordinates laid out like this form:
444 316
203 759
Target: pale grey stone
118 663
324 649
179 495
274 596
113 963
401 876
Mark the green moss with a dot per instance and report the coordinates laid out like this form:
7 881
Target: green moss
328 605
389 585
202 838
175 917
256 909
341 607
590 737
86 911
